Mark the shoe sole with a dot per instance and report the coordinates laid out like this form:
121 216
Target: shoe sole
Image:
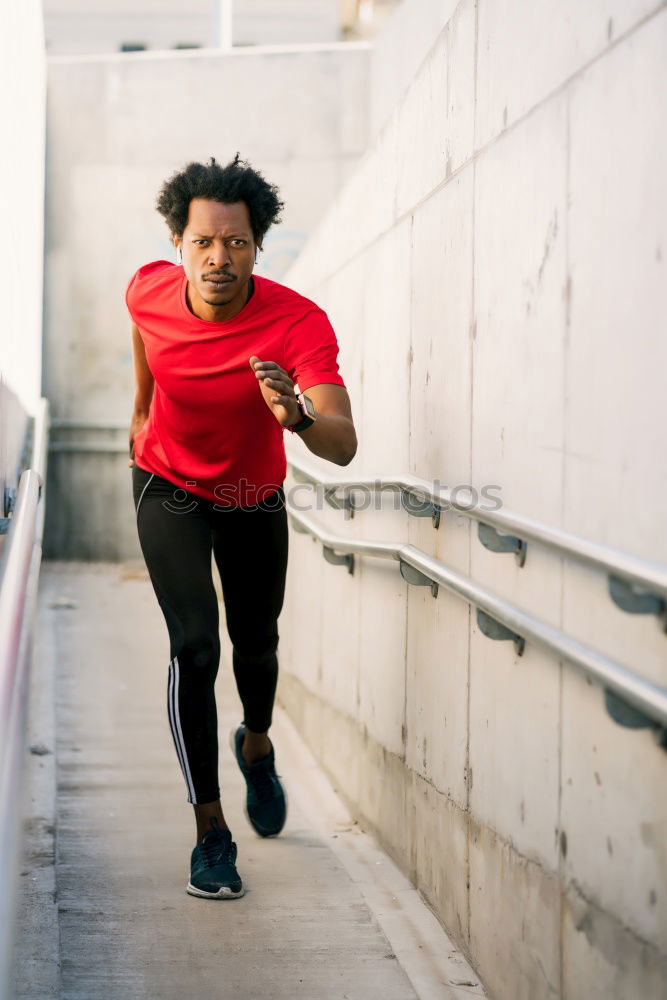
265 836
224 892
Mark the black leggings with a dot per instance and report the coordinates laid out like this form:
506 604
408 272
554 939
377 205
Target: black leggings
178 532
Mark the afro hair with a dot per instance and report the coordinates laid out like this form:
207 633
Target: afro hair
235 182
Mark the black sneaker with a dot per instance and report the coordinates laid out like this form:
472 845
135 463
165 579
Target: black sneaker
266 802
213 873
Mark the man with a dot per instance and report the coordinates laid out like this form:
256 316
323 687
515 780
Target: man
217 355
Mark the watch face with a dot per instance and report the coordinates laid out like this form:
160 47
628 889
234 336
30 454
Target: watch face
310 409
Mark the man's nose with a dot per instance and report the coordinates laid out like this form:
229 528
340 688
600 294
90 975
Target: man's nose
219 255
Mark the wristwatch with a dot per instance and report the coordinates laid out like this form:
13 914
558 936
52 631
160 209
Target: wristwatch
308 413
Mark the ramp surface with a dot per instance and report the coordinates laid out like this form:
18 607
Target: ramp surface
104 909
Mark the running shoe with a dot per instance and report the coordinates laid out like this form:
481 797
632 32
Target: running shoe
213 873
266 802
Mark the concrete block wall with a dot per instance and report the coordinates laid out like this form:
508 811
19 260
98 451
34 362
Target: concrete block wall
117 127
21 248
495 272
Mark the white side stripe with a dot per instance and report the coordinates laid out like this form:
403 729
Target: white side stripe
144 490
177 717
170 710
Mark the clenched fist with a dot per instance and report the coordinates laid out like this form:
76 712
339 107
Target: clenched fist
278 391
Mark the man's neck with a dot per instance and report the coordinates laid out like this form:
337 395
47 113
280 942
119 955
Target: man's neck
217 314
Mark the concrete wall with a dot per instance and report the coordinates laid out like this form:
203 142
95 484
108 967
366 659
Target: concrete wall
117 127
402 47
21 248
78 27
495 271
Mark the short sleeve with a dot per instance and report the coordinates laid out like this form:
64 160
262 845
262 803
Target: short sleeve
129 296
311 351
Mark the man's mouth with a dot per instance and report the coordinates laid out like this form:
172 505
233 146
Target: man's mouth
217 281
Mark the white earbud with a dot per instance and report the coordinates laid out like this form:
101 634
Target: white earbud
179 256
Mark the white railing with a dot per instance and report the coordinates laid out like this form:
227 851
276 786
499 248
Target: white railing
19 575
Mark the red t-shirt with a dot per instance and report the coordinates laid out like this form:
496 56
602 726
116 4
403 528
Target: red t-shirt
209 429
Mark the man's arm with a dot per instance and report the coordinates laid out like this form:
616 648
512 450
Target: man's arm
332 436
144 384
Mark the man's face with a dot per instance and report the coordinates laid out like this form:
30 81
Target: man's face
218 250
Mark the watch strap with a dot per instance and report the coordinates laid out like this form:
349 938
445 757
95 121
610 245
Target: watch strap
306 420
303 424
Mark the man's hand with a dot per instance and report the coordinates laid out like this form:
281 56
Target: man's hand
278 391
137 422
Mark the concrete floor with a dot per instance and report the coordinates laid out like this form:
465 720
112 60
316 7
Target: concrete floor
103 909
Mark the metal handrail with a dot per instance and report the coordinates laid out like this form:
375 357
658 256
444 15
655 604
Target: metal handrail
648 576
644 573
647 698
19 573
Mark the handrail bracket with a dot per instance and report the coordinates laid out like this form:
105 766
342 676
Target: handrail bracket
495 541
344 503
338 559
630 717
496 630
636 600
417 579
420 507
298 526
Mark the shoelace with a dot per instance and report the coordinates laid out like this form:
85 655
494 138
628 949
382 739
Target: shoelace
216 851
